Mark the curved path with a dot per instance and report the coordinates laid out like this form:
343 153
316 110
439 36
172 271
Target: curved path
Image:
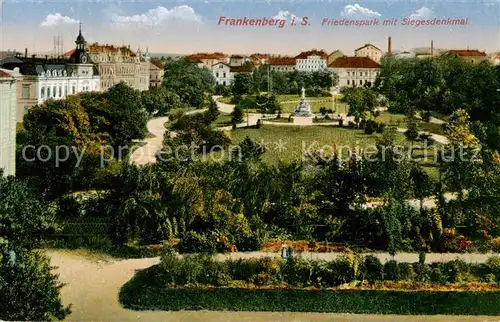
93 287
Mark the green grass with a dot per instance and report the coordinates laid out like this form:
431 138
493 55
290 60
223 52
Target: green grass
400 121
222 120
295 137
138 294
226 100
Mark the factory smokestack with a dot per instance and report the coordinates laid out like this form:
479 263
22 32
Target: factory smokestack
432 47
389 47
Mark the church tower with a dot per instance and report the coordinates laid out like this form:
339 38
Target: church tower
80 55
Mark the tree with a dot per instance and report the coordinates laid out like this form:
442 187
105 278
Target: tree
29 289
189 81
159 100
242 84
237 115
361 100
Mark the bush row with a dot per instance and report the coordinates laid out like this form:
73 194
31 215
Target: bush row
297 272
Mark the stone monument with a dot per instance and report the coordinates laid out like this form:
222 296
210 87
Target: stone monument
303 114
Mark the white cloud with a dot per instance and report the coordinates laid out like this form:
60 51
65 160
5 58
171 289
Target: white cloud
157 16
57 19
283 15
422 13
357 11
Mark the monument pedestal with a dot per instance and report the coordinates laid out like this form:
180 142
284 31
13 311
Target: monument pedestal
303 120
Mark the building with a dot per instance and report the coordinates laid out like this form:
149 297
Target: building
156 72
495 59
26 91
224 73
369 51
282 64
472 56
310 61
334 55
238 60
259 59
8 98
40 79
207 60
355 71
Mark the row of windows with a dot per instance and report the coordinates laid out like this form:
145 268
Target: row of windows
217 75
353 82
360 73
57 92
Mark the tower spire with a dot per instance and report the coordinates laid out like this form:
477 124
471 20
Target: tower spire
80 28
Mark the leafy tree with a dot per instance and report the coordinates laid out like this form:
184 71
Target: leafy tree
237 115
159 100
360 100
242 84
29 289
187 80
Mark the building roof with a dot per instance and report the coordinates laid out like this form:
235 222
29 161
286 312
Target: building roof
157 62
314 52
354 62
282 61
466 52
366 45
237 56
97 48
247 68
4 74
199 56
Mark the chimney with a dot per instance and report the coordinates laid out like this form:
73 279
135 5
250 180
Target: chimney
25 52
432 47
389 47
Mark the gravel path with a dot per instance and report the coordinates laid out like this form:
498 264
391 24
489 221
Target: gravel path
93 285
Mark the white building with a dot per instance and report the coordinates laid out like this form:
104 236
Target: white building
282 64
222 74
369 51
310 61
8 103
355 71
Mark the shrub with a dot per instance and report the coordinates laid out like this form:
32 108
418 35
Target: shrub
330 111
341 122
493 264
236 99
258 124
495 245
371 269
351 125
327 117
192 242
369 127
426 116
406 272
338 272
391 271
362 124
380 127
323 110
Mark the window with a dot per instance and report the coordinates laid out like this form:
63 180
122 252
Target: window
224 75
73 89
60 91
348 73
26 92
42 92
48 92
348 82
217 74
366 73
360 82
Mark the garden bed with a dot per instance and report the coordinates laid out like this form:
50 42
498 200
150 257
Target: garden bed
345 285
296 300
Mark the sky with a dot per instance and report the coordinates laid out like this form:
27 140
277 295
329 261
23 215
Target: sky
191 26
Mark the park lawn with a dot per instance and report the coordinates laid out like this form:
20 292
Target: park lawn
140 294
289 143
226 100
222 120
400 121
